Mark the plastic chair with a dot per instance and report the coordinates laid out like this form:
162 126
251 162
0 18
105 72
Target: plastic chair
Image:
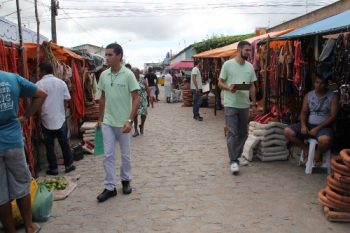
326 158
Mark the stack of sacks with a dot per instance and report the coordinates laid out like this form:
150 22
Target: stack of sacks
266 141
88 129
249 146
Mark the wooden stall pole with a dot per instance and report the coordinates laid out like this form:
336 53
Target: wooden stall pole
37 39
20 38
267 78
53 21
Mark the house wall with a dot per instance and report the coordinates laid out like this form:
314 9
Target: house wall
314 16
180 57
184 56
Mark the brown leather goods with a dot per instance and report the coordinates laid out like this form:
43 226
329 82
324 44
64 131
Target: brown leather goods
345 156
336 198
339 166
339 177
336 216
334 184
324 199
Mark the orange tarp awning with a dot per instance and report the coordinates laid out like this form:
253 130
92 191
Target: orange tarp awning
60 53
231 49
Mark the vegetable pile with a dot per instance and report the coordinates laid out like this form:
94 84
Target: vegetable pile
58 183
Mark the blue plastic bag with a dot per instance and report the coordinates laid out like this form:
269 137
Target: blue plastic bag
42 205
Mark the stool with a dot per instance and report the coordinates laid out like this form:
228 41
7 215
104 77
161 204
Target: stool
326 158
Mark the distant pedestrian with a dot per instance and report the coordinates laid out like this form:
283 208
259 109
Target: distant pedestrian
15 176
237 71
157 92
53 118
118 107
142 111
168 81
127 65
196 87
152 84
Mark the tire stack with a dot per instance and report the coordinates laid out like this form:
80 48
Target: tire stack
186 96
336 196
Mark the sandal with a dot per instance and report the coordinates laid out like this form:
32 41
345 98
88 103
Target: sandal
37 228
304 160
318 161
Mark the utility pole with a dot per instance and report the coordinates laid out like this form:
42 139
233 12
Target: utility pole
37 39
54 13
20 39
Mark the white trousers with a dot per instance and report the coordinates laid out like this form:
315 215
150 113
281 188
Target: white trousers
112 135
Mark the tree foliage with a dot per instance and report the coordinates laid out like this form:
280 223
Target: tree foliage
219 41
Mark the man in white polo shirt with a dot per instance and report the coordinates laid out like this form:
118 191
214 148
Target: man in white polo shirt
53 118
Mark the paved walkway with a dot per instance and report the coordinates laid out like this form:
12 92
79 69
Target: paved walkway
182 183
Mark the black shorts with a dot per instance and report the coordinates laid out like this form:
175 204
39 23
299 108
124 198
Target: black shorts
296 128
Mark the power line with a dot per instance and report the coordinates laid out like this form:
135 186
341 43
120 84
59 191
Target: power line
84 30
14 12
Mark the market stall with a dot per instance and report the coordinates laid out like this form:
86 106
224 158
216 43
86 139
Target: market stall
290 66
67 65
293 60
213 60
181 77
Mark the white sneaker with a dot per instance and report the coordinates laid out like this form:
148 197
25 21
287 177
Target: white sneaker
243 161
234 168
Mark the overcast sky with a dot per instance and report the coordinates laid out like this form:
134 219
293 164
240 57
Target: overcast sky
148 29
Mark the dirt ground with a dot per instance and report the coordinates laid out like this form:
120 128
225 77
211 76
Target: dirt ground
182 183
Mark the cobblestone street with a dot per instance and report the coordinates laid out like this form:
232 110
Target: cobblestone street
182 183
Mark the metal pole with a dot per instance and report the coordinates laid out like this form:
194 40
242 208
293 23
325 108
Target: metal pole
267 78
37 39
53 21
20 38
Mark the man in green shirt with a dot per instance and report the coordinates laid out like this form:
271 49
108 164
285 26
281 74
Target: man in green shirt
118 107
236 101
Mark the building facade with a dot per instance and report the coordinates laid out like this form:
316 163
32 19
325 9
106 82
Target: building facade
9 32
313 16
184 55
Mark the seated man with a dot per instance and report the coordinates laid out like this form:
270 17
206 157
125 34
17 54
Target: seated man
318 112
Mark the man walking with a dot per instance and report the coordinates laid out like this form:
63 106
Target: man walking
14 173
118 107
236 101
196 87
152 81
53 118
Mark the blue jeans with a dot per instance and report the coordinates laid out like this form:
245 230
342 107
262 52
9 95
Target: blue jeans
237 131
49 140
197 100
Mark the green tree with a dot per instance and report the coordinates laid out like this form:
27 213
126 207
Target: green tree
219 41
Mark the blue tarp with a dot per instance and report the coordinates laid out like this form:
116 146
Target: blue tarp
333 24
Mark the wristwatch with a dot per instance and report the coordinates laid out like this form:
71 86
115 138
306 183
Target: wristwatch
130 121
